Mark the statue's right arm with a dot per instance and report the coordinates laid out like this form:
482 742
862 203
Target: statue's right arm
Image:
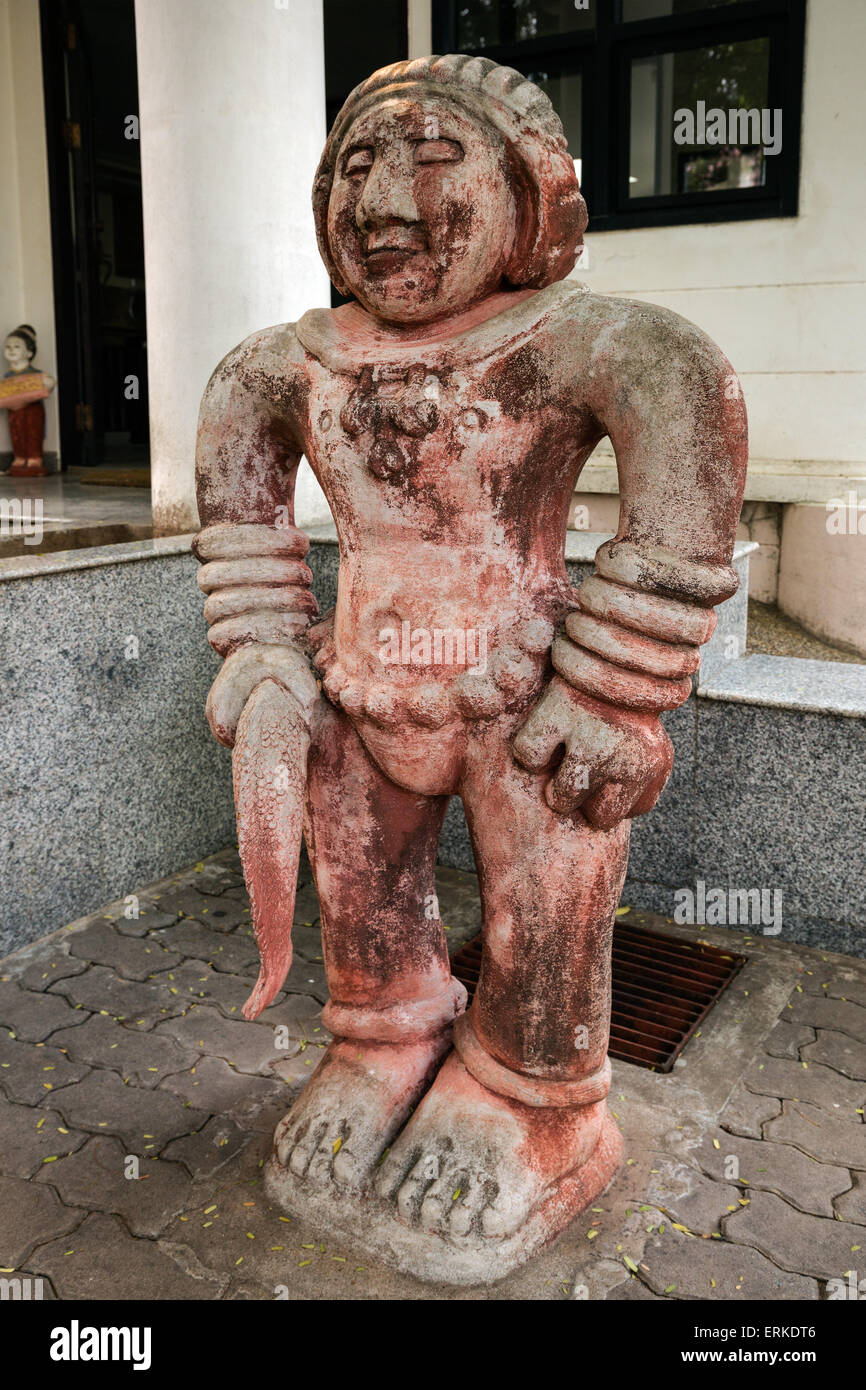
259 597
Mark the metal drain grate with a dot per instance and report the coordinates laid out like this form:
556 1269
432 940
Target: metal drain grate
663 989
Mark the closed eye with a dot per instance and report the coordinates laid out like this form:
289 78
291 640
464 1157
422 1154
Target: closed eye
358 162
438 152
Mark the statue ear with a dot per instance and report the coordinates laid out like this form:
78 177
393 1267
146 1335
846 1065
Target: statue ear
527 222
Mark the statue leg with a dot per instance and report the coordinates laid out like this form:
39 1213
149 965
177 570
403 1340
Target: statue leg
392 997
513 1138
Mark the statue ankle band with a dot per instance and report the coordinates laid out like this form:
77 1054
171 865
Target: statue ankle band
529 1090
406 1021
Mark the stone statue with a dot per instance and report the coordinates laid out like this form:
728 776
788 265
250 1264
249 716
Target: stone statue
447 413
23 388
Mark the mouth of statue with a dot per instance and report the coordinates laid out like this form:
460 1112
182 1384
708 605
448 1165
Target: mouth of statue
390 249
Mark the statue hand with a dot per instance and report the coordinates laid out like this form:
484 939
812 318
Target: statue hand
244 670
616 760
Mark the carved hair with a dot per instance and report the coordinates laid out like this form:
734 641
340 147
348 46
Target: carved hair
552 214
27 336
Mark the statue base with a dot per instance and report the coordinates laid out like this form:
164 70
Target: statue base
372 1227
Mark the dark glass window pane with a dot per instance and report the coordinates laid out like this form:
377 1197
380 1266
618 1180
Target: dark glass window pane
668 153
565 90
481 23
656 9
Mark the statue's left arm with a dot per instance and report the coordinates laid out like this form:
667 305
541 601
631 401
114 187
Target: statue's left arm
259 605
672 406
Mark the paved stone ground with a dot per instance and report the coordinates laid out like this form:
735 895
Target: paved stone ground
121 1046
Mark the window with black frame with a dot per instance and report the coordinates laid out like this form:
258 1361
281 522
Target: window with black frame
674 110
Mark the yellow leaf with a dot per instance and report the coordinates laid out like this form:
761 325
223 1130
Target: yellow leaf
337 1145
621 911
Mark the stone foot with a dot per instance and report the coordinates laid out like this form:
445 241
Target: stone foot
356 1101
474 1185
480 1168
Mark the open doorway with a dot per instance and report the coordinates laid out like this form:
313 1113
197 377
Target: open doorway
94 167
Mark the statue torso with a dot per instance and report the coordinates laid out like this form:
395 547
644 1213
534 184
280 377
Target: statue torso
448 465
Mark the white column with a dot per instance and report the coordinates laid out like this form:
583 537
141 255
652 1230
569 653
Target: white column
420 25
232 121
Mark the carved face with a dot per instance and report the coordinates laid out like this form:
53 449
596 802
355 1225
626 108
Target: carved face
17 353
422 216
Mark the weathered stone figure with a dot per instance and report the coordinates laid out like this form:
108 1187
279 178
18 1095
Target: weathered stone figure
447 414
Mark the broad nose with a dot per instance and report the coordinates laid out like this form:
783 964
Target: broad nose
387 195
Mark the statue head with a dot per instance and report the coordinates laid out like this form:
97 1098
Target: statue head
443 180
19 348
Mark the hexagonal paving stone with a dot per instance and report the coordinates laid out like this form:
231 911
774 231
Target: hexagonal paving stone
307 943
840 1015
219 911
102 1261
211 1148
810 1081
786 1039
851 1206
210 877
632 1291
144 1057
40 964
31 1072
685 1267
148 920
849 984
31 1139
307 977
775 1167
839 1051
143 1120
248 1047
195 982
745 1113
238 1223
685 1195
793 1240
33 1016
95 1178
235 952
824 1136
214 1086
29 1213
132 957
140 1002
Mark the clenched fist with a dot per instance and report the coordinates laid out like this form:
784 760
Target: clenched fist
616 760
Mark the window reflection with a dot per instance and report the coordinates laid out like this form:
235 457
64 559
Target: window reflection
725 77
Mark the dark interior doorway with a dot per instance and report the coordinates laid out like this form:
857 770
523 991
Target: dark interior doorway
91 111
358 40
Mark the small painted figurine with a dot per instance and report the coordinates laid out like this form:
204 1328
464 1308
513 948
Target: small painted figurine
23 388
447 413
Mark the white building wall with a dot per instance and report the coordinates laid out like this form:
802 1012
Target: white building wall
785 298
